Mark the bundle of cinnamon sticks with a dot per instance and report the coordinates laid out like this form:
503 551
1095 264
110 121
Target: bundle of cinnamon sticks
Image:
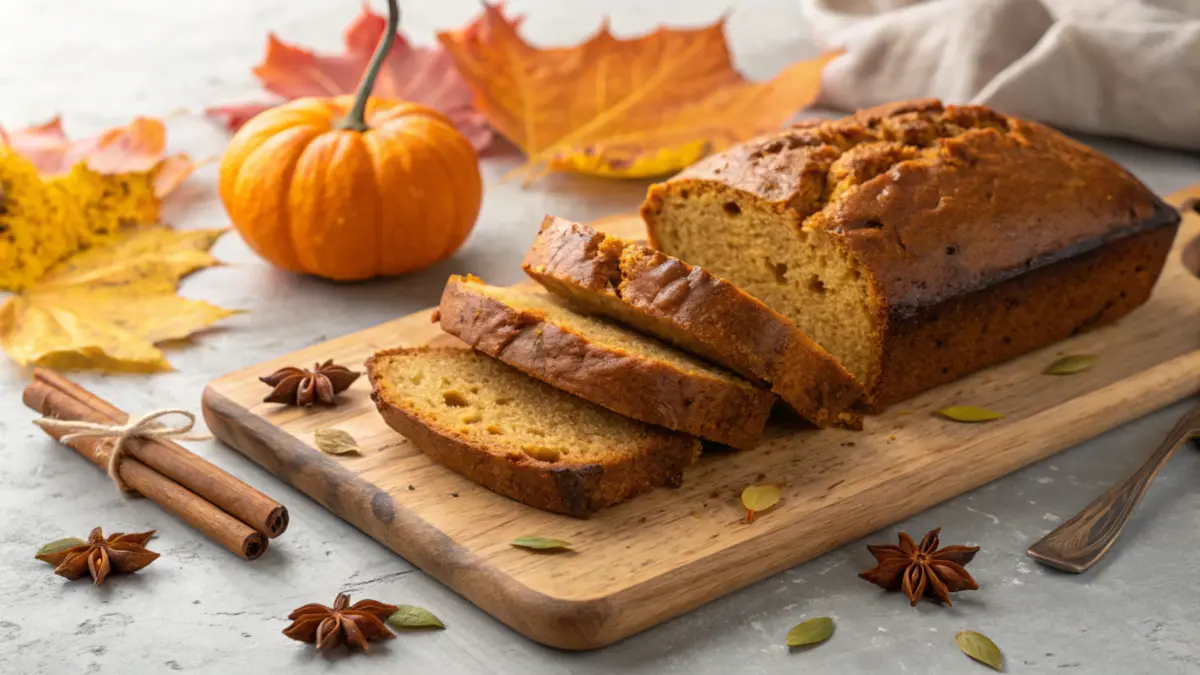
224 508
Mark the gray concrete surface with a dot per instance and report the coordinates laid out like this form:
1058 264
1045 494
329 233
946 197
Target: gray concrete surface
200 610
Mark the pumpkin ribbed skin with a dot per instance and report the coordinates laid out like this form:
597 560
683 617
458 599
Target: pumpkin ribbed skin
345 204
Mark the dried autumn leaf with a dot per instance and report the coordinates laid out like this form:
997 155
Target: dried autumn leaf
758 498
969 413
630 108
541 543
411 616
28 206
335 442
58 197
981 648
105 308
1068 365
420 75
810 632
137 148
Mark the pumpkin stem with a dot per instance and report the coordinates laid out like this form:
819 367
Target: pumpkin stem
356 119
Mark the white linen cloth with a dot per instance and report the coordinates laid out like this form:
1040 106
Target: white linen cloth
1126 68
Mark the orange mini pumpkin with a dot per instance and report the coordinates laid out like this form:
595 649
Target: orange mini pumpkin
352 187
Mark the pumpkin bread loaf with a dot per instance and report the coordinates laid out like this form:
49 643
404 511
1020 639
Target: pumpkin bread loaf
919 242
693 310
519 437
605 363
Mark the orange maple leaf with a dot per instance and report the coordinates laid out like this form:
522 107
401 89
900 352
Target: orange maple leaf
420 75
136 148
642 107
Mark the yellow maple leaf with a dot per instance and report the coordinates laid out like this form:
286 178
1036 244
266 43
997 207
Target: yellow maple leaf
44 220
59 196
28 245
137 148
106 308
628 108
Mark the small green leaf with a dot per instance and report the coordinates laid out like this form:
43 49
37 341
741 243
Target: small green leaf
541 543
335 442
979 647
58 546
969 413
758 498
411 616
1071 364
810 632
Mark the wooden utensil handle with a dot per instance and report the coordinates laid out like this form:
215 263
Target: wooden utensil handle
1077 544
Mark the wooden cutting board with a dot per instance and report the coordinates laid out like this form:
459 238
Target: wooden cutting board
671 550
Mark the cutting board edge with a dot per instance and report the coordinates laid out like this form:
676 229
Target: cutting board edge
574 624
590 623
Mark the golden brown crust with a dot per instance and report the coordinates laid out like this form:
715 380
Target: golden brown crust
954 213
694 310
720 409
573 489
937 201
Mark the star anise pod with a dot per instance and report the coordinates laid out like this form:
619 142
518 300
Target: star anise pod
328 627
322 384
922 570
119 553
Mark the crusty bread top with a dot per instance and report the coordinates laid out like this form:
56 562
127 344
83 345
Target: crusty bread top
935 200
604 362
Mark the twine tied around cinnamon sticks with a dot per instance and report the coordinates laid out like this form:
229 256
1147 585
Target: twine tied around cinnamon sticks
224 508
118 435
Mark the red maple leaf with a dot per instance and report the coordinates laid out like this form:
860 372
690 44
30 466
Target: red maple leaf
420 75
139 146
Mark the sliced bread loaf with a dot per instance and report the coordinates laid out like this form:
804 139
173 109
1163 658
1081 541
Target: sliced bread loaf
692 309
605 363
519 437
920 242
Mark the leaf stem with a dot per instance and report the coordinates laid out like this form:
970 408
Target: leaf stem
356 119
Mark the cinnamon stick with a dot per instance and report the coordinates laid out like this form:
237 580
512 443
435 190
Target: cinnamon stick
193 509
186 468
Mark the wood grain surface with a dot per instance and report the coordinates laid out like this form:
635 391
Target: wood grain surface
666 552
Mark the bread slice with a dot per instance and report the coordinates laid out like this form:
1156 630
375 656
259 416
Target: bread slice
605 363
519 437
693 310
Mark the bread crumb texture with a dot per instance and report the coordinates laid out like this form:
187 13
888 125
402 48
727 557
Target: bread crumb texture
850 226
518 436
491 404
